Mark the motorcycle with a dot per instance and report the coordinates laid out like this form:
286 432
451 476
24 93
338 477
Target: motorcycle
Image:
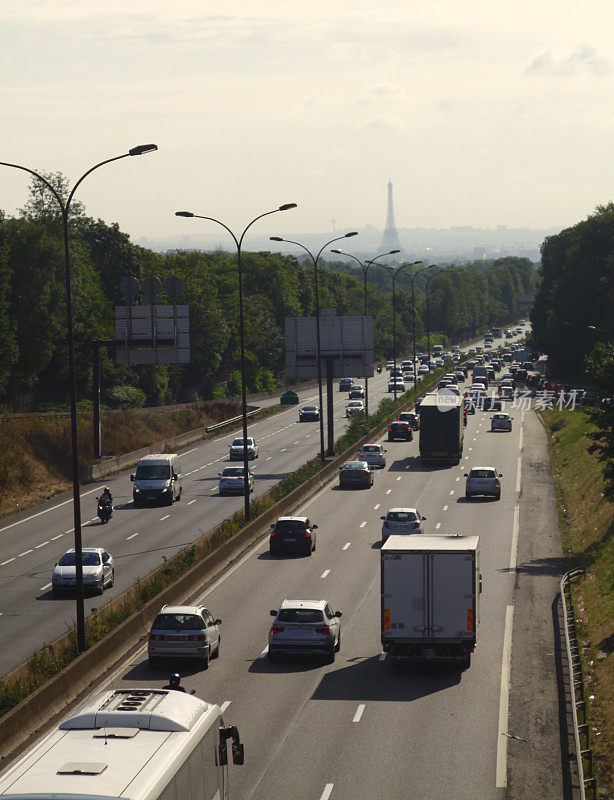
105 509
379 369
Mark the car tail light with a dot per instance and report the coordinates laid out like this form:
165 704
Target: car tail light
277 629
156 637
197 637
496 481
324 629
273 532
386 524
416 525
307 534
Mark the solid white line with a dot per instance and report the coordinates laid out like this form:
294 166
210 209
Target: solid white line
325 573
346 545
388 491
359 712
8 561
520 440
190 503
42 544
515 526
502 741
519 473
225 705
46 586
382 656
59 536
327 791
376 506
47 510
132 536
438 526
25 553
163 518
362 524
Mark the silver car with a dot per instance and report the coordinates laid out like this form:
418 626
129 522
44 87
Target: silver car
402 521
305 626
188 632
501 422
98 571
232 481
354 407
237 448
373 454
484 481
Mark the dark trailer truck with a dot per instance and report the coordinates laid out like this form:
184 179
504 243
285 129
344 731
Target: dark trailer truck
441 428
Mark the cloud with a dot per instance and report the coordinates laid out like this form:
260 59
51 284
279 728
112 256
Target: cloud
582 59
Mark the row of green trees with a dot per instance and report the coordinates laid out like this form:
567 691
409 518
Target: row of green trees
34 363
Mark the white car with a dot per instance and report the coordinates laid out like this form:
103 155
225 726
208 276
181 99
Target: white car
98 571
396 384
354 407
308 627
401 522
389 364
423 369
373 454
483 481
184 632
237 449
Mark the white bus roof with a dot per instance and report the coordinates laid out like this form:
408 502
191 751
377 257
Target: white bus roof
120 744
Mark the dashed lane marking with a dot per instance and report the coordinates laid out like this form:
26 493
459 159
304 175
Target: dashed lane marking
8 561
25 552
362 524
45 587
399 479
346 545
191 501
132 536
327 791
163 518
438 526
225 705
359 712
325 573
445 508
42 544
388 491
376 506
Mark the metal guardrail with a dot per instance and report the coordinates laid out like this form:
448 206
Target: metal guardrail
576 685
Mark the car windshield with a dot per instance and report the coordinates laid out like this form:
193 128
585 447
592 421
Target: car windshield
290 526
89 560
239 443
178 622
309 408
402 516
482 473
355 404
233 472
300 615
153 472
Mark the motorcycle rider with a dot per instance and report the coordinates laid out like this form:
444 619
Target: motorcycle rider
106 497
379 367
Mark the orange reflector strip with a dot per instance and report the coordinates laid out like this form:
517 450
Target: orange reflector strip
469 619
386 619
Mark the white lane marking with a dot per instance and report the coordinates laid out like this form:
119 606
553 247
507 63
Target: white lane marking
296 442
132 536
466 458
225 705
25 552
520 440
269 458
190 503
382 656
445 508
325 573
458 479
346 545
502 740
42 544
388 491
46 586
59 536
308 435
47 510
359 712
398 479
163 518
376 506
451 491
438 526
519 473
283 449
470 449
70 530
8 561
515 527
362 524
327 791
185 452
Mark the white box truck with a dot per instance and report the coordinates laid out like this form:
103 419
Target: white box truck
130 744
430 587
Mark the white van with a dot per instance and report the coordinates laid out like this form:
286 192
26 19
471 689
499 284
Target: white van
138 744
158 479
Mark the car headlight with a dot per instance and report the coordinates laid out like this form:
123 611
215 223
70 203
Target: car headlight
136 491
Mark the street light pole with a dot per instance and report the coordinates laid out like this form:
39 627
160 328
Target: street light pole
427 280
394 273
365 270
318 357
65 210
413 313
238 243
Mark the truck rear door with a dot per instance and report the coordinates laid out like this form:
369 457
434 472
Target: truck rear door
451 579
404 607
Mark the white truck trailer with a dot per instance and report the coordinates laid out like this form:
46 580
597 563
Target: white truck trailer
430 587
130 744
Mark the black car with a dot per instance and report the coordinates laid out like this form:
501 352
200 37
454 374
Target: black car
292 534
400 429
411 417
355 473
309 414
345 384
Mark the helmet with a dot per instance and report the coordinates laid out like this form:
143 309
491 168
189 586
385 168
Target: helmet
174 680
106 489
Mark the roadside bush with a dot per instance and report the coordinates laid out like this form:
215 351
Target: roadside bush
126 397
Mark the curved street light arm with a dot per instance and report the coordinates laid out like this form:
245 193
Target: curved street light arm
40 177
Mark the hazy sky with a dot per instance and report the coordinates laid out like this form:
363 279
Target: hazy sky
483 112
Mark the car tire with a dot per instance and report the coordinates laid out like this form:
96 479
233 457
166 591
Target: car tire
330 656
498 496
100 589
112 583
338 645
204 663
217 649
272 656
468 495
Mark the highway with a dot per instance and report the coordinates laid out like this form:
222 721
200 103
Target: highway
360 728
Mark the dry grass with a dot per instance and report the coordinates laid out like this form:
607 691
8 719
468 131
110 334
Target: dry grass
588 524
35 453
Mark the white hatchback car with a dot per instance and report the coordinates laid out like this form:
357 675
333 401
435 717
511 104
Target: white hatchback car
402 521
237 449
501 422
309 627
188 632
373 454
98 571
354 407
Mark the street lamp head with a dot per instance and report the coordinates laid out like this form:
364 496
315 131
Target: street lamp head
351 233
336 251
141 149
415 263
184 214
287 206
392 252
276 238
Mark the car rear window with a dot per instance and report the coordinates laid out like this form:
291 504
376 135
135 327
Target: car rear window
290 526
482 473
300 615
178 622
370 448
233 472
402 516
354 465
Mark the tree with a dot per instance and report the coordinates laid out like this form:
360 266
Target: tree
600 368
42 206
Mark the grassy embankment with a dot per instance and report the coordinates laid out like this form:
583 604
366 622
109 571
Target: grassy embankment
587 523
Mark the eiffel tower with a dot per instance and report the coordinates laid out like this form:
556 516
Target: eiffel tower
390 239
